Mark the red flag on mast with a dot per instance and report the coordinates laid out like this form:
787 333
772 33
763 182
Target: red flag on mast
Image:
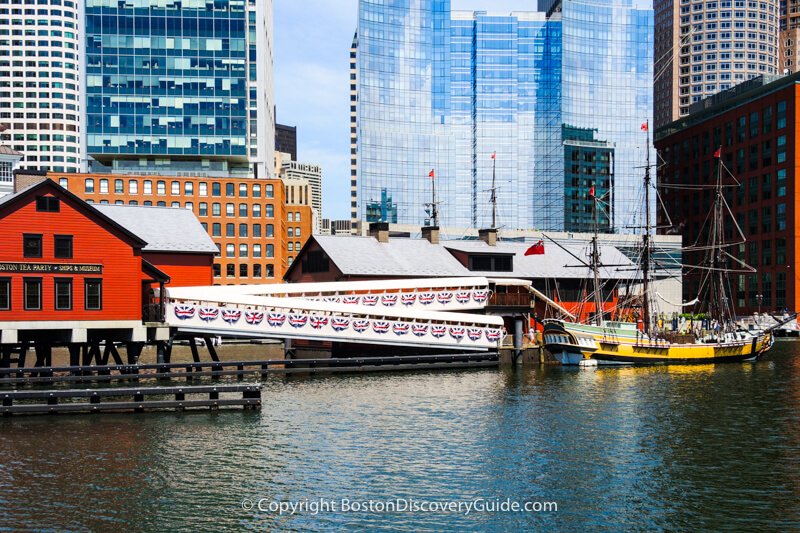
430 174
536 249
718 153
494 155
644 126
591 192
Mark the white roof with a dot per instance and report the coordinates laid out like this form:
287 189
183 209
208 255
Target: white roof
400 257
556 262
165 229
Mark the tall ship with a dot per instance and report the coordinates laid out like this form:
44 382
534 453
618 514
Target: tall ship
715 338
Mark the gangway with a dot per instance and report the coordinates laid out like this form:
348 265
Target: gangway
383 313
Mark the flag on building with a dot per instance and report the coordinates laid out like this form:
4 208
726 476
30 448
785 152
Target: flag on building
536 249
431 174
644 126
718 153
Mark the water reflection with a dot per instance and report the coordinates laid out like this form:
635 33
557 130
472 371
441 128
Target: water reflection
693 447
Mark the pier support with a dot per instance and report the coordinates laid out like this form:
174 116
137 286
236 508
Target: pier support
517 338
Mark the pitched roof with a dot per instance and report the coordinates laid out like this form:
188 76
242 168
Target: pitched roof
556 262
7 150
165 229
365 256
78 203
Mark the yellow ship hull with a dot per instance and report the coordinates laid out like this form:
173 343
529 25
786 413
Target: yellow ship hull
570 346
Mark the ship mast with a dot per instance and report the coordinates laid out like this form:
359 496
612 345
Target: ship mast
646 240
595 263
718 306
432 208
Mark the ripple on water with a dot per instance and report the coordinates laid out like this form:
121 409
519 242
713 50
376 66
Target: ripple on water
624 448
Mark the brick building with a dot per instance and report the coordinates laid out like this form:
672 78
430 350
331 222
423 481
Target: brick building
755 129
247 219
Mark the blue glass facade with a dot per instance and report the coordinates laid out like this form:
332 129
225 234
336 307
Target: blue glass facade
171 85
510 86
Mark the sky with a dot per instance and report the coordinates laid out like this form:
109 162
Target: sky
311 59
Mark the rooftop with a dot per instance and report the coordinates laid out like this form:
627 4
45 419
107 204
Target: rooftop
165 229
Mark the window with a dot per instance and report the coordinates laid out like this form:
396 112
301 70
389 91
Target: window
119 186
492 263
290 246
242 250
175 188
257 194
230 271
243 270
290 217
5 294
297 216
48 204
216 209
269 191
269 210
62 248
31 245
202 188
256 210
229 190
93 291
315 261
243 190
217 270
243 230
270 250
256 230
230 210
242 210
32 293
230 230
63 294
270 230
230 250
270 271
257 271
188 188
216 229
290 232
215 189
256 250
103 186
202 209
148 187
296 232
89 185
161 187
64 182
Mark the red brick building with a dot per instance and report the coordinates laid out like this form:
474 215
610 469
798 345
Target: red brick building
755 128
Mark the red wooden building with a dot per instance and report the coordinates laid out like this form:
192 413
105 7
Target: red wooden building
73 274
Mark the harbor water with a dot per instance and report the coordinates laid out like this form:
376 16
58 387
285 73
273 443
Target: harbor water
677 448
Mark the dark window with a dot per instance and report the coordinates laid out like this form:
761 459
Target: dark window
48 204
243 270
63 247
63 294
230 189
316 261
93 289
216 229
215 189
217 270
32 293
32 245
230 230
256 271
230 271
491 263
5 294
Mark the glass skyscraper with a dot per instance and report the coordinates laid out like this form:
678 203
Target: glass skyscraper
443 91
179 86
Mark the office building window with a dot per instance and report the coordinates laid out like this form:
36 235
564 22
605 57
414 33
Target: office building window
242 190
119 186
256 250
270 229
175 188
230 271
63 294
202 188
269 191
230 250
62 247
230 230
188 188
243 270
217 270
256 210
243 230
202 209
103 186
32 245
269 210
216 229
32 289
161 187
89 185
242 250
257 193
270 271
133 187
93 292
257 271
256 230
230 190
147 187
215 189
216 209
230 210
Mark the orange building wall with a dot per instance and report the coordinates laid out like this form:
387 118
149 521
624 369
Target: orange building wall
184 270
92 244
76 183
